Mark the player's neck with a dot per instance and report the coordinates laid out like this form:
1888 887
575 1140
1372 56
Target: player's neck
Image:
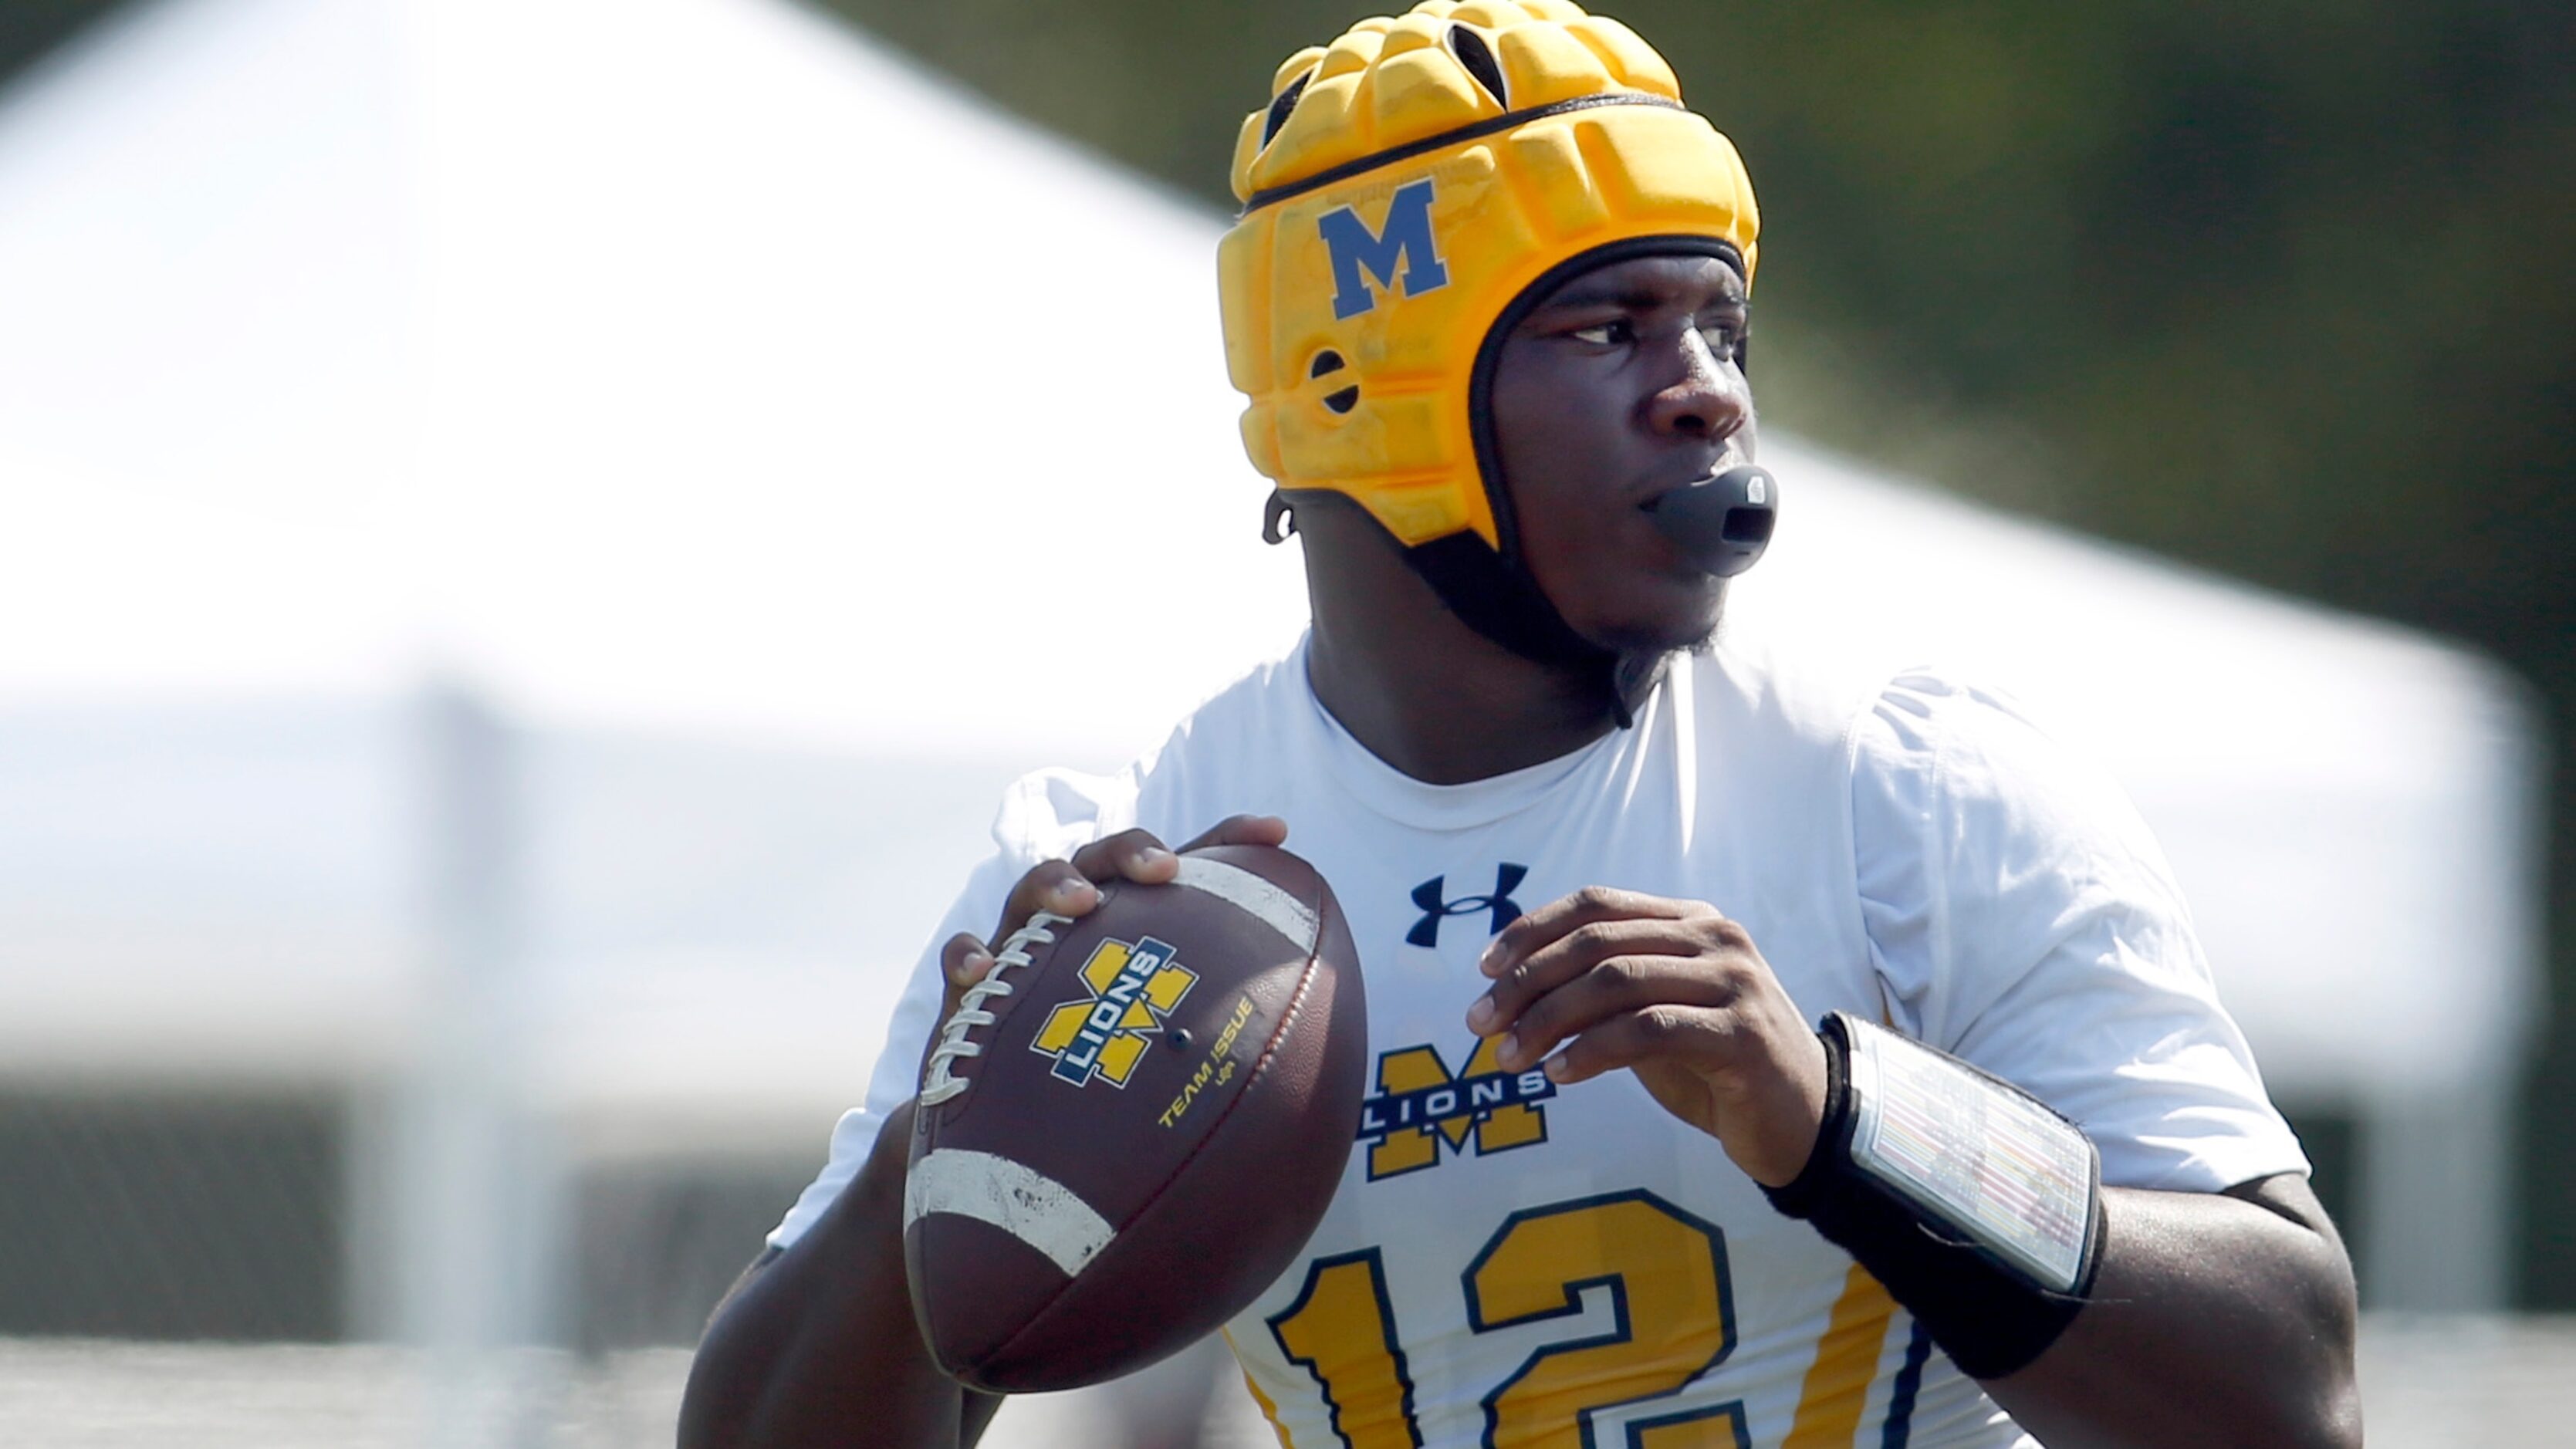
1416 686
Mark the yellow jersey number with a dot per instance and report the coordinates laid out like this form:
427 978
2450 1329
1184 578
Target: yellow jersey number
1672 1315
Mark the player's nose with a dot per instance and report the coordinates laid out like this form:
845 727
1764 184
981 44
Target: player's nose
1705 398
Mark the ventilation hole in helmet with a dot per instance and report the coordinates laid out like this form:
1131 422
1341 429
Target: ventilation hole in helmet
1325 361
1479 61
1343 401
1280 108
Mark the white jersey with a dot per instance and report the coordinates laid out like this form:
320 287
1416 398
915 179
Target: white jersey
1510 1262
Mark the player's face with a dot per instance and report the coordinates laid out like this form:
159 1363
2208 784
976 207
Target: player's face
1619 388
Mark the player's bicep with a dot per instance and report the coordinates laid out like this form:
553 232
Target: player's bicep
750 1274
2289 1195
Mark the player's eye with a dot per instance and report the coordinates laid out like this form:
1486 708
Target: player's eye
1614 333
1725 333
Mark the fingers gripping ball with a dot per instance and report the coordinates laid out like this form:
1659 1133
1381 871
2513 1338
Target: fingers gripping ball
1131 1129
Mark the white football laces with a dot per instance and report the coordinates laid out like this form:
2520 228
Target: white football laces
942 1084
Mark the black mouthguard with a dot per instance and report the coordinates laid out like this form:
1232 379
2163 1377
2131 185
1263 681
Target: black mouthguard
1721 525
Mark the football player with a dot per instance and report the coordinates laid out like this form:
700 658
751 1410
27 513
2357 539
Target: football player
1769 1048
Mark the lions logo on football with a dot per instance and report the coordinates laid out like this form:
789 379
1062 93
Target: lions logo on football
1133 988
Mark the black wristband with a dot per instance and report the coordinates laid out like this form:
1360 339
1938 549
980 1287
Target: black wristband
1970 1277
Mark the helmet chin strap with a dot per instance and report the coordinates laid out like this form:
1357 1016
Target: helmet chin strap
1632 679
1500 600
1497 597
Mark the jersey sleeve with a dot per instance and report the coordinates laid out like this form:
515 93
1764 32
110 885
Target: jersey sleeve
2021 917
1044 816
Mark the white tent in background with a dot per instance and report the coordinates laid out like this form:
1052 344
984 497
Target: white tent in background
690 371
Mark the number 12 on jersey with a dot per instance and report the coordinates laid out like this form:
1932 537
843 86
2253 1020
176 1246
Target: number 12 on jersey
1672 1320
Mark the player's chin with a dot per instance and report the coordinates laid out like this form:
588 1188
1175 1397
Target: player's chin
1660 614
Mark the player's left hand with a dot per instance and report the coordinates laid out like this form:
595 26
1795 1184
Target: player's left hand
1674 992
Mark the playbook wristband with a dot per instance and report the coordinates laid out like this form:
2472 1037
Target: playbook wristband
1973 1203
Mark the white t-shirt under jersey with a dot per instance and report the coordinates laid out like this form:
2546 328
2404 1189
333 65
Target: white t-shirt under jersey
1573 1265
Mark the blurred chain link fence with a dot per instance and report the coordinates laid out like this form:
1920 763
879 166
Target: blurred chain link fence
131 1213
126 1213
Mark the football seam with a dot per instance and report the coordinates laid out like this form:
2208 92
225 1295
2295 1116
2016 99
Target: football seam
954 1109
1260 1065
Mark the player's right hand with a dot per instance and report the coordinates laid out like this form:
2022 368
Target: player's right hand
1071 888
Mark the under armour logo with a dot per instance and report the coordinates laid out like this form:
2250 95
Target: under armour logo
1426 932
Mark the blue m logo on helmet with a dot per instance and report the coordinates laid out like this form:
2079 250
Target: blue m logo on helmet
1405 239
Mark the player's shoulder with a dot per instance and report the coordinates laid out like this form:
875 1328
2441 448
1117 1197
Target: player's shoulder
1052 812
1815 688
1924 718
1955 763
1893 709
1918 744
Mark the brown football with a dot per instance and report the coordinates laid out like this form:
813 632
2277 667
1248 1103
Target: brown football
1133 1133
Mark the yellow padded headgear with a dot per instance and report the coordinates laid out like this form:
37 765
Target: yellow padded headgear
1404 187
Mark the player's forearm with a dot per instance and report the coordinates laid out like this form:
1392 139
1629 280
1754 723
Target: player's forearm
2214 1321
817 1347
